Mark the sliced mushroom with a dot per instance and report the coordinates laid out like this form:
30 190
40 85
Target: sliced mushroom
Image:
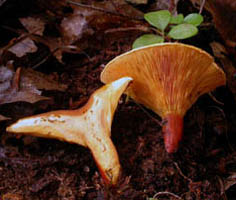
89 126
167 78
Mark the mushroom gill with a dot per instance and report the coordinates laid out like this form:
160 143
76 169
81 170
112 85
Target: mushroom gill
167 78
89 126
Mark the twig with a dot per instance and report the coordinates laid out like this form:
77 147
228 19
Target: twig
160 33
16 79
222 188
181 173
102 10
139 28
214 99
157 31
167 193
67 48
201 6
13 41
44 59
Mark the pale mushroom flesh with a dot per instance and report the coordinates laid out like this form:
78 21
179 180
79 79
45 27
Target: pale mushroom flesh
89 126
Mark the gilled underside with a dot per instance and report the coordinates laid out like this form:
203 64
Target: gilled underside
167 78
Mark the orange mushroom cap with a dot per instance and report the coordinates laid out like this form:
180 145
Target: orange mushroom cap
89 126
167 78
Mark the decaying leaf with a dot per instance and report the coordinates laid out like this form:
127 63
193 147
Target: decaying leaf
3 118
11 92
170 5
27 45
23 47
2 2
98 15
86 20
28 87
33 25
56 46
220 52
6 76
31 96
104 15
224 16
73 27
138 1
41 81
120 7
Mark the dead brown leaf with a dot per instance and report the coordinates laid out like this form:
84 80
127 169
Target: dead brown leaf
113 8
3 118
23 47
33 25
30 77
224 16
99 16
138 1
73 27
220 52
170 5
27 45
27 95
84 22
124 8
2 2
28 87
56 45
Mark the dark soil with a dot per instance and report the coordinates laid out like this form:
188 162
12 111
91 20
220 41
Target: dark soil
36 168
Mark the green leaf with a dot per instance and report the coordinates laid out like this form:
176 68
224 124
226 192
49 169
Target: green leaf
194 19
159 19
147 39
183 31
178 19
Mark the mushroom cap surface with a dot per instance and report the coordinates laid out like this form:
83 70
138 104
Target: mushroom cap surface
167 77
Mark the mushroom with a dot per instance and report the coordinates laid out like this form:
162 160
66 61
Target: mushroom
89 126
167 78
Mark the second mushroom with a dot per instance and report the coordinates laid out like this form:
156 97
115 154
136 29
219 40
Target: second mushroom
167 78
89 126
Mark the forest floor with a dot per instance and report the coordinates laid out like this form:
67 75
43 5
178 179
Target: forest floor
204 168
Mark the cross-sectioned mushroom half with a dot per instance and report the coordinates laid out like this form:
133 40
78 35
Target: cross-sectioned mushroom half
89 126
167 78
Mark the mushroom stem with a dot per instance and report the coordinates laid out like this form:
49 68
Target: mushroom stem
172 130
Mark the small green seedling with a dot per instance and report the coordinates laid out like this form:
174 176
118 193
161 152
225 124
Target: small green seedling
168 27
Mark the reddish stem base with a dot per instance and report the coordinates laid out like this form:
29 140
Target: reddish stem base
172 130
